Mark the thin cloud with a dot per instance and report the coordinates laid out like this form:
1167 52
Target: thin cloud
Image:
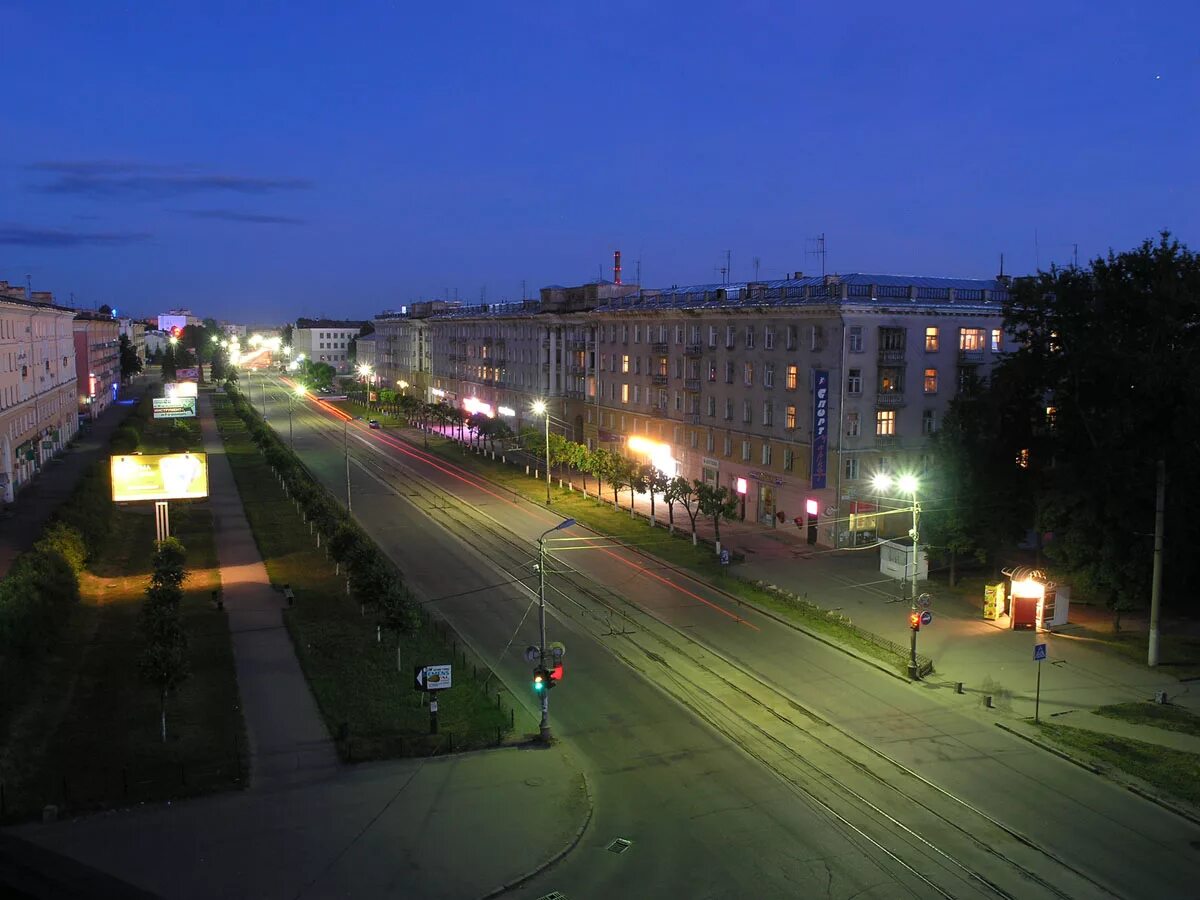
20 236
106 178
231 215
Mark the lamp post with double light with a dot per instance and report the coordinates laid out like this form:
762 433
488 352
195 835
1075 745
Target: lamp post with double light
908 484
544 730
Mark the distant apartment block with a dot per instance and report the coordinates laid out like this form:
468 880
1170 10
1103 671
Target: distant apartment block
326 340
792 393
97 361
177 318
37 384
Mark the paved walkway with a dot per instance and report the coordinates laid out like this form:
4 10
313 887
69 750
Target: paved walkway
39 500
288 739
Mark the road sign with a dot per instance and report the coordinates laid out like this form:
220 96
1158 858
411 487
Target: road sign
1039 652
926 617
533 653
924 600
724 557
432 678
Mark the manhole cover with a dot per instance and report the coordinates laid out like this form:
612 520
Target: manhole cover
620 845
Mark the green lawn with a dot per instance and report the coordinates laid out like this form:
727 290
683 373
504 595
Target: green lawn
1178 654
1172 771
89 736
354 677
1159 715
676 550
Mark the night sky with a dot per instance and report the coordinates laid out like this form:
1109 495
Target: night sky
293 161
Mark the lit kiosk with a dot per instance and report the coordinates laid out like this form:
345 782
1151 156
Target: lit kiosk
159 477
1035 602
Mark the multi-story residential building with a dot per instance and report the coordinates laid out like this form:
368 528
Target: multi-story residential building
97 361
177 318
326 340
402 351
364 351
792 393
37 385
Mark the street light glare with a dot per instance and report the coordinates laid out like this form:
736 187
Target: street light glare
908 484
882 481
539 407
301 390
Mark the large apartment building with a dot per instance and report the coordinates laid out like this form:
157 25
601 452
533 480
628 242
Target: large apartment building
326 340
792 393
37 384
97 361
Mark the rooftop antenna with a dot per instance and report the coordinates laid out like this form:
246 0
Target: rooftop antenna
522 290
639 273
1037 251
1001 265
756 264
819 243
616 267
728 267
28 286
1075 256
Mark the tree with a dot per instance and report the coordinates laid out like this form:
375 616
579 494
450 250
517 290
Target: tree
580 460
1109 350
687 493
656 482
717 503
619 475
170 362
131 363
163 660
675 490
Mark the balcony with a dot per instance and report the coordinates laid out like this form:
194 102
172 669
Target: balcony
576 369
575 394
891 357
890 399
887 441
659 409
575 344
974 357
693 351
659 379
691 385
659 347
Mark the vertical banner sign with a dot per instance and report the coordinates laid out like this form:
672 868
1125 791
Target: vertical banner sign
820 438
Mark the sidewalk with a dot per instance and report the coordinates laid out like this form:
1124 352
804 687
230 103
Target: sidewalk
37 502
289 743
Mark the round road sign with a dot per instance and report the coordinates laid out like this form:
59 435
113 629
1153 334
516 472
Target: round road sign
926 617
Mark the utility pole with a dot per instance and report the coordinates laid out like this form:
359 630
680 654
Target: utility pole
544 729
1160 503
346 452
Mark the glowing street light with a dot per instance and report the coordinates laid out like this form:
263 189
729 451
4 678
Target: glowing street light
908 484
541 409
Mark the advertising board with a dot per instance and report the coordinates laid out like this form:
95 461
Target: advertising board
165 476
174 407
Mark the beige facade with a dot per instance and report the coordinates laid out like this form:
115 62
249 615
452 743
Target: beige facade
724 383
97 361
37 385
326 341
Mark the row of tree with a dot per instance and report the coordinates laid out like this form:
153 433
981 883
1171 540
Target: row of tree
1075 427
163 661
373 581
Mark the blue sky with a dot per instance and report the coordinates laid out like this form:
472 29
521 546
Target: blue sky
295 160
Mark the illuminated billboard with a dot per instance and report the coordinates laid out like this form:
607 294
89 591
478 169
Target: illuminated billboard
180 389
166 476
185 374
174 407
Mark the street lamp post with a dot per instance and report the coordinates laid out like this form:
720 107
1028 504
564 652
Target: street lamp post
908 484
300 393
346 451
544 729
541 408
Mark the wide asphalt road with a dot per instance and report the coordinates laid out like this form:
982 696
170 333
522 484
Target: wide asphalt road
739 757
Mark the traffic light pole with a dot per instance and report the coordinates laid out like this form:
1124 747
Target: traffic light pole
544 731
914 670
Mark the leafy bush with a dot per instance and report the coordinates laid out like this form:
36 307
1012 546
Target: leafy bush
125 440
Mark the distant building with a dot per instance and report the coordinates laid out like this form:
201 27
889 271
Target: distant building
177 318
402 347
155 342
326 340
97 362
136 332
37 384
364 351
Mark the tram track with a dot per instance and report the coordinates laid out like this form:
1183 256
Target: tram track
947 845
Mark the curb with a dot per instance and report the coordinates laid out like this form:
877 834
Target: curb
1107 774
570 845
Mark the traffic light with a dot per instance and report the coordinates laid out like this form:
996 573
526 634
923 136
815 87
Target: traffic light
914 620
555 675
541 680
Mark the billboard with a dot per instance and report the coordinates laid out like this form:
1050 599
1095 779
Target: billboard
185 374
180 389
174 407
820 432
166 476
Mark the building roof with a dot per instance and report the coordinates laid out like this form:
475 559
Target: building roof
366 337
329 323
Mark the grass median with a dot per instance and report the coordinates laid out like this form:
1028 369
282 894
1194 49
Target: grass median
1157 715
1174 772
362 681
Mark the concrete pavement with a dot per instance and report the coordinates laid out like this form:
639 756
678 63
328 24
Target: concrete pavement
289 742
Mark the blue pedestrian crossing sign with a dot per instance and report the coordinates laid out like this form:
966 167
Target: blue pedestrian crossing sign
1039 652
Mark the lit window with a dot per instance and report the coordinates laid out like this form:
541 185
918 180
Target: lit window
931 339
793 377
885 422
997 339
971 339
931 381
624 393
1023 459
790 416
625 363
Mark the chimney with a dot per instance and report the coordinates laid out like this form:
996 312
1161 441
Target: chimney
616 267
797 275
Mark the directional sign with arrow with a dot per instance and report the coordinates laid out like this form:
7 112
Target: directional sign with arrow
432 678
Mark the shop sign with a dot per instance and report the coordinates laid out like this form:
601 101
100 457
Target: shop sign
820 440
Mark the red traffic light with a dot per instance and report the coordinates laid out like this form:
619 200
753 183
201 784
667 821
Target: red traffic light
914 621
555 674
175 331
